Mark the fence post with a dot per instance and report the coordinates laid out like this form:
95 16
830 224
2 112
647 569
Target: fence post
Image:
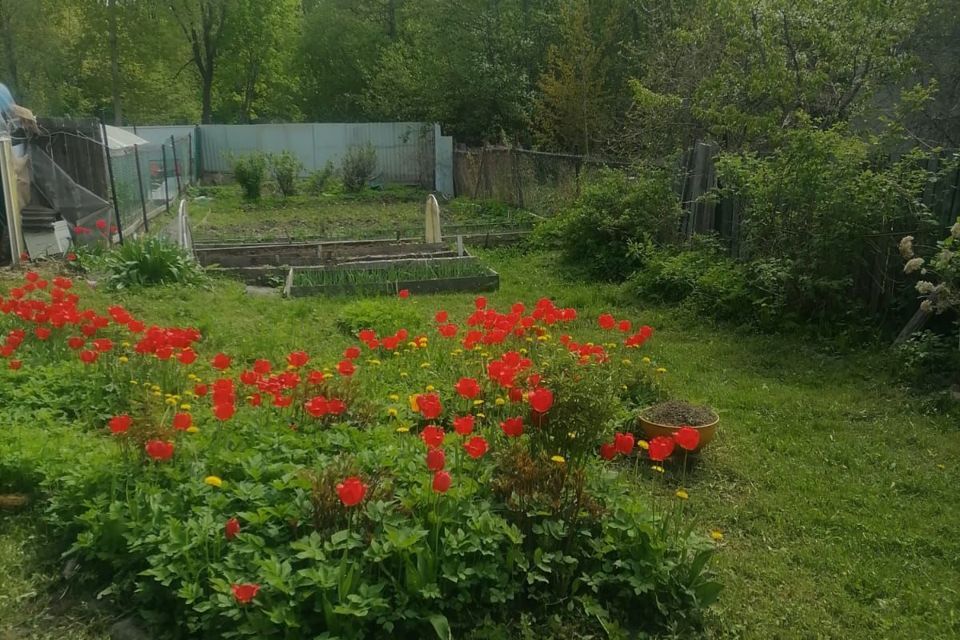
143 201
176 167
199 152
189 158
113 184
166 184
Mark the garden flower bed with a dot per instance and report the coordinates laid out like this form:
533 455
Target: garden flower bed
390 277
415 485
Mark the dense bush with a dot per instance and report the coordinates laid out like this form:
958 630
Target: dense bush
150 261
383 316
249 171
615 210
809 206
320 179
285 169
422 485
359 167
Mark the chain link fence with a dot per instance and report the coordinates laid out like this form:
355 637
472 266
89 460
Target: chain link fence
148 179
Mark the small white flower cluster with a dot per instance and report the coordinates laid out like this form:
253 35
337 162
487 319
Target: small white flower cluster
913 264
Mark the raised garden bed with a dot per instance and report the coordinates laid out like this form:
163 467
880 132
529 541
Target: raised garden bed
389 277
291 254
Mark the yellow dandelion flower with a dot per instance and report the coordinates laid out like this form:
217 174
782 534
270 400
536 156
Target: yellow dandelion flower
624 387
189 394
529 339
424 365
157 394
477 403
192 429
657 468
171 402
396 354
374 361
643 444
481 415
626 361
290 367
394 397
572 435
185 406
125 344
661 370
134 382
683 495
646 360
484 354
412 344
430 388
327 376
478 348
558 459
403 429
155 387
500 402
404 374
123 359
542 338
392 412
456 352
213 481
191 376
717 535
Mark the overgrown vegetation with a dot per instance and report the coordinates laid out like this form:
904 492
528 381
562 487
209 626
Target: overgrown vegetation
285 169
149 262
359 166
249 171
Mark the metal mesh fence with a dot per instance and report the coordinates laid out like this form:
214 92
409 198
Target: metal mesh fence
148 180
533 180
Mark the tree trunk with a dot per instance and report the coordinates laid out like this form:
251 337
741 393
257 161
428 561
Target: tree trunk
114 62
206 80
9 52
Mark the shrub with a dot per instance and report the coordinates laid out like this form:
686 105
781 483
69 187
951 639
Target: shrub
809 206
285 169
930 359
615 210
150 261
249 172
359 167
319 179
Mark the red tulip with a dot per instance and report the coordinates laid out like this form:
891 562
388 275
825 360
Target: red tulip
475 447
541 400
101 224
429 406
606 321
187 356
75 342
480 302
346 368
436 459
351 353
336 406
463 425
468 388
404 293
42 333
103 344
351 491
200 390
15 364
660 448
624 443
687 438
231 529
297 359
515 394
608 451
432 436
262 366
441 481
447 330
120 424
159 450
224 411
441 317
89 357
244 593
182 421
220 361
624 326
512 427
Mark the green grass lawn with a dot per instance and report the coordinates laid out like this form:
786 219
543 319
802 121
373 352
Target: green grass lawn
220 213
835 489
